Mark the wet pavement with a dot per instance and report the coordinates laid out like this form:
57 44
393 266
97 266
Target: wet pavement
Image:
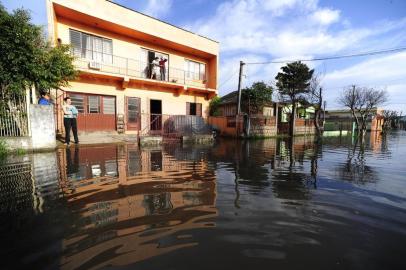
266 204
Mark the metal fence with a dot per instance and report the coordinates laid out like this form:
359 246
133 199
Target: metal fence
173 125
14 117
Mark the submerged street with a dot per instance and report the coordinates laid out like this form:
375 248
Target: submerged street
231 205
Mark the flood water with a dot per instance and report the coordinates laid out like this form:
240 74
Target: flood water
265 204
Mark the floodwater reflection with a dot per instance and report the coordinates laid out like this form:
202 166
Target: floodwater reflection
236 204
131 205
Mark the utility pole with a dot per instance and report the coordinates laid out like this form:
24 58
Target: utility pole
324 112
239 88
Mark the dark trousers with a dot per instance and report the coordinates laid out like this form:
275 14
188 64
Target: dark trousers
70 123
163 71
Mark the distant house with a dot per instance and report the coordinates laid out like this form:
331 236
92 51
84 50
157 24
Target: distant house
343 119
228 106
270 120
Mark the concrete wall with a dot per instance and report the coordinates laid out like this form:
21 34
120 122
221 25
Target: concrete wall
46 175
16 143
42 125
41 122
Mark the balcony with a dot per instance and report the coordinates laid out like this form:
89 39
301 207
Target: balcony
103 63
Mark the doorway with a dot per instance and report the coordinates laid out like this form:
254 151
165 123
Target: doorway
147 56
156 114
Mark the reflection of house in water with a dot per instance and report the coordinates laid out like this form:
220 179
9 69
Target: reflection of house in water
139 208
272 162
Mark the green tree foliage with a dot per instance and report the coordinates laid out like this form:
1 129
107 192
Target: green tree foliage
27 60
293 85
214 106
254 98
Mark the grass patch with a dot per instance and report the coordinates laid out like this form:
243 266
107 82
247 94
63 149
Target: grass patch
20 151
3 149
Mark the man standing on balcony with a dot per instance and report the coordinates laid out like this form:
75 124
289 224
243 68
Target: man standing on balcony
155 68
163 68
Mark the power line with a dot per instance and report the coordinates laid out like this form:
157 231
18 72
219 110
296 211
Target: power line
229 78
387 83
333 57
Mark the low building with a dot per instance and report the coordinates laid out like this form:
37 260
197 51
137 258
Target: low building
270 120
342 119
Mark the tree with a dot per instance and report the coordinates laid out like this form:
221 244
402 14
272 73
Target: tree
362 103
254 98
350 98
293 85
214 106
389 119
27 59
315 99
370 99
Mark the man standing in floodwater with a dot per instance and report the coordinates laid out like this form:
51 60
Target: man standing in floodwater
70 113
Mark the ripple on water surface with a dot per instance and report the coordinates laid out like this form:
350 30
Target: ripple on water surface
255 204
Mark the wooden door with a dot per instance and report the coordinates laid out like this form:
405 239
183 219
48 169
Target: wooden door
133 108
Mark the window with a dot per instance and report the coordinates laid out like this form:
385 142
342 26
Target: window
195 70
231 122
94 104
109 106
193 108
78 101
91 47
268 111
230 110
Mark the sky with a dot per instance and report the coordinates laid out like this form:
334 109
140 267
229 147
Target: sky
272 30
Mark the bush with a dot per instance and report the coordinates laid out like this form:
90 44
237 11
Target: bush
214 106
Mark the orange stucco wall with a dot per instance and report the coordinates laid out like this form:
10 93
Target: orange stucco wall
131 31
171 103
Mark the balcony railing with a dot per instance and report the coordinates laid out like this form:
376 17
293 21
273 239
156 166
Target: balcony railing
98 61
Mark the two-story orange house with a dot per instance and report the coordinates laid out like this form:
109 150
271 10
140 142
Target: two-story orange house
133 68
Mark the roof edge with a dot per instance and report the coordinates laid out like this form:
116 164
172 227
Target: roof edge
133 10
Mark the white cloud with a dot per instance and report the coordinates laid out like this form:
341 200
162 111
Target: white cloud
293 29
325 16
387 72
158 8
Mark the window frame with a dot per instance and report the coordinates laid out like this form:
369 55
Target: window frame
190 73
106 57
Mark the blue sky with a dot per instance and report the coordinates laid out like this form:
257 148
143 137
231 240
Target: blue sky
264 30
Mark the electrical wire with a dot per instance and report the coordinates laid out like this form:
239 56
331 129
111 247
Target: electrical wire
387 83
332 57
228 79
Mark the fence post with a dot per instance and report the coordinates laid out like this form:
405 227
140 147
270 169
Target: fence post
27 110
